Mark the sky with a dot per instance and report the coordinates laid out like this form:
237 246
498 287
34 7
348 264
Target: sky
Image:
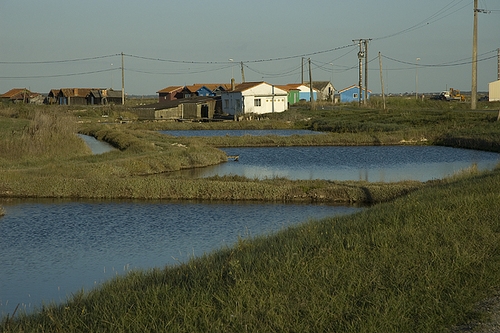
54 44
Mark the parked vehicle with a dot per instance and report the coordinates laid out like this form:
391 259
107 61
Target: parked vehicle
452 95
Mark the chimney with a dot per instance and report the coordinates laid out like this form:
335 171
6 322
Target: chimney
232 84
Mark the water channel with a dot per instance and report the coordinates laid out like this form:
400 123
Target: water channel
366 163
53 248
358 163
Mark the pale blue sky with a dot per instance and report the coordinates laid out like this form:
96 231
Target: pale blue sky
55 43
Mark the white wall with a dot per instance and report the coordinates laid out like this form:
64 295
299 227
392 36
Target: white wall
258 99
494 91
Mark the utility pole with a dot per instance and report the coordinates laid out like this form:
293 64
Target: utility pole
381 77
302 71
123 83
365 100
498 66
311 98
416 78
242 72
474 61
361 55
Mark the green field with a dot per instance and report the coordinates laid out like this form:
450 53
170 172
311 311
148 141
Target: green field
417 261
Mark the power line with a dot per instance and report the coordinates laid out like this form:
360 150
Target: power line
431 19
56 61
57 75
444 64
244 61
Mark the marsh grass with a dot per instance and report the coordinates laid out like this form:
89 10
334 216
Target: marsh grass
42 136
417 264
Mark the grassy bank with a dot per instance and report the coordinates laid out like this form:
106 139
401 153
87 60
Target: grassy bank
417 264
43 158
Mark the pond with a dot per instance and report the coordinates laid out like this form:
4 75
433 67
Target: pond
278 132
366 163
52 248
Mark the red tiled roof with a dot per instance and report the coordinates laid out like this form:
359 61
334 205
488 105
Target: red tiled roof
14 92
170 89
247 85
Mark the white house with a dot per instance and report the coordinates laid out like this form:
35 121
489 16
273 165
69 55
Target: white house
254 97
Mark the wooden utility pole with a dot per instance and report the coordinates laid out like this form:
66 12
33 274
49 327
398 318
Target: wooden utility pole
302 71
365 100
381 78
311 97
498 65
474 61
361 55
123 83
242 72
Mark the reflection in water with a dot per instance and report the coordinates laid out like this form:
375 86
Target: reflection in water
368 163
53 249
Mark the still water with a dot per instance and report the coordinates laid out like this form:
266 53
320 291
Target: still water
369 163
51 249
97 147
278 132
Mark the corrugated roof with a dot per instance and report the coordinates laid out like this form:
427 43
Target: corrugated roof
320 85
76 92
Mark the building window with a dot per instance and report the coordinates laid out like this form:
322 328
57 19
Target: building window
257 102
226 102
238 105
355 95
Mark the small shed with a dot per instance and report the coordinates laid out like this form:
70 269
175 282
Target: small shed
351 94
197 90
293 93
304 91
170 94
325 90
494 91
104 97
73 96
186 108
52 97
